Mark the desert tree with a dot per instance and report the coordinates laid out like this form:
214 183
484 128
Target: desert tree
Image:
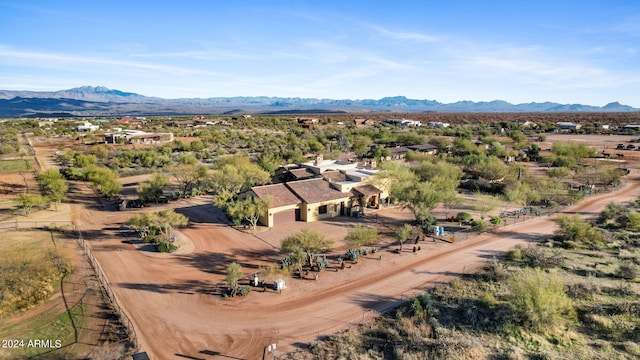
163 222
402 234
361 236
249 209
484 203
152 190
28 201
53 185
234 274
311 242
104 179
189 177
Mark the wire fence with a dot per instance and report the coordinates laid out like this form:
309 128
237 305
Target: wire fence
69 226
462 230
16 225
124 318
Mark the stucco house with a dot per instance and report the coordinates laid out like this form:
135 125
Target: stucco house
335 193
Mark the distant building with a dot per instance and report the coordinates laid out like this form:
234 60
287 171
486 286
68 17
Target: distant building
438 124
308 122
403 122
87 127
137 137
568 126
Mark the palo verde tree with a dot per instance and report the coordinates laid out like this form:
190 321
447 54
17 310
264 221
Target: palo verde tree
53 185
485 203
157 227
189 177
28 201
152 190
249 209
235 174
234 274
361 236
403 234
104 179
311 242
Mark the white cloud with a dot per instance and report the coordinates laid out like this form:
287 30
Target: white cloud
411 36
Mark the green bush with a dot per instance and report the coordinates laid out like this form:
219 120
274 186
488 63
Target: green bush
579 231
538 300
463 216
479 225
515 254
496 220
243 290
165 246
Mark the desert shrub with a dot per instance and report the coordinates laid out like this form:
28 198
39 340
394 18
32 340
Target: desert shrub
494 271
496 220
361 236
538 300
243 290
579 232
627 270
537 257
614 215
463 216
479 225
165 246
515 254
26 278
582 291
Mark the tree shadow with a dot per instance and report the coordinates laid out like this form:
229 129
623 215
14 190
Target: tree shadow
188 287
204 214
209 262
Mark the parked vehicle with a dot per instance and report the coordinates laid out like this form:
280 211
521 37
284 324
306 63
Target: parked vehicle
631 147
620 147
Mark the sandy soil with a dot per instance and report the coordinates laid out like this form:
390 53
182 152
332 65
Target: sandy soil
175 304
175 301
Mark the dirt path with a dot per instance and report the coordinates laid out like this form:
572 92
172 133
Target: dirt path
177 312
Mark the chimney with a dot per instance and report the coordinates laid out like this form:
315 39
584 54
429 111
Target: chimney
319 159
372 164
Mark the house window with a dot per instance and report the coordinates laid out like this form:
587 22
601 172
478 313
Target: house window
322 209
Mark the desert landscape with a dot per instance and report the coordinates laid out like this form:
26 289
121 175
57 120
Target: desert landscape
175 301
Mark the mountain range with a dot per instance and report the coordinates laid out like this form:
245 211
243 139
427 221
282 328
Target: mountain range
101 101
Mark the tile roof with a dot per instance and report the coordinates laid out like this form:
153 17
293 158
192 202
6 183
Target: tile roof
366 190
303 173
315 190
422 147
334 176
281 194
398 149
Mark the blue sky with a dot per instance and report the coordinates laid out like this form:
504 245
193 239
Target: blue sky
519 51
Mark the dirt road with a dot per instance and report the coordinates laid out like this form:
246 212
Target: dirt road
178 313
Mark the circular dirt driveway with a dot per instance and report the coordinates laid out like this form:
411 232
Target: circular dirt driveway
175 304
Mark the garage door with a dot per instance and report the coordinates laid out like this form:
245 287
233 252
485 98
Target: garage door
285 216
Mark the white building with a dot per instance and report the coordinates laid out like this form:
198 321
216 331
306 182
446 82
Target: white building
87 127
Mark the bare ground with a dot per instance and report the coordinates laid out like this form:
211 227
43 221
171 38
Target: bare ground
175 304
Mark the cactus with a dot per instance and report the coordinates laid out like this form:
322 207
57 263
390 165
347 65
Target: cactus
352 254
365 251
322 265
286 262
374 250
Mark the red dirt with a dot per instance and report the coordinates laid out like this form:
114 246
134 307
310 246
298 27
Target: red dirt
174 304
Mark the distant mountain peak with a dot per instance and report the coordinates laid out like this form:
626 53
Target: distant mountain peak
100 100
